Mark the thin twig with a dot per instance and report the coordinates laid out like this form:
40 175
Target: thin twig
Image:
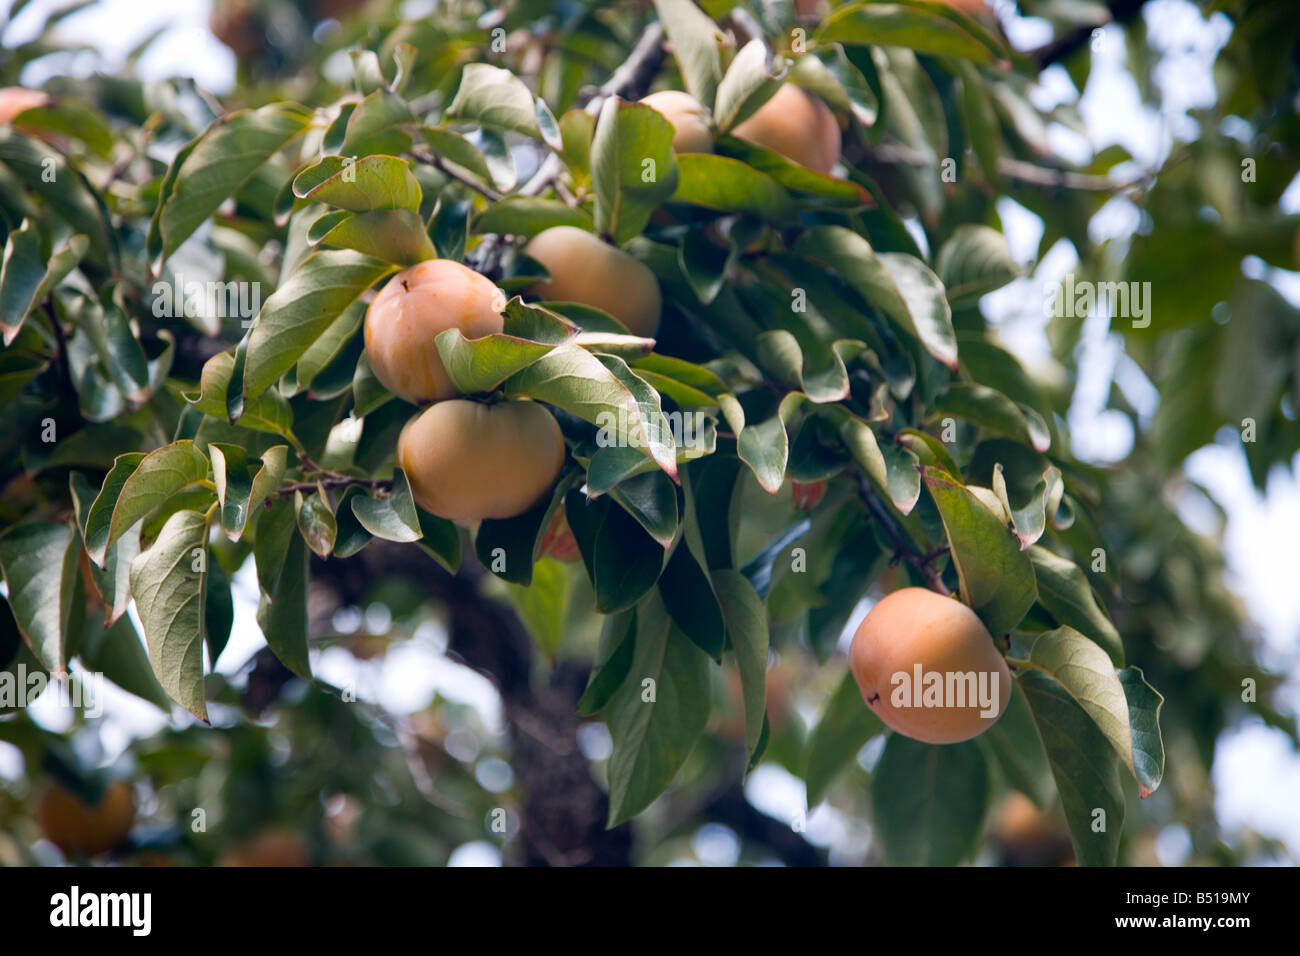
340 481
632 78
903 546
1018 169
450 171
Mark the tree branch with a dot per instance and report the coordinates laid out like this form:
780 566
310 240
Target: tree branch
1067 44
564 811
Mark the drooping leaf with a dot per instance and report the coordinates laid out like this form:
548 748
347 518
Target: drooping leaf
1085 766
845 726
360 185
997 578
1064 590
303 307
214 167
169 583
929 801
39 562
633 167
656 715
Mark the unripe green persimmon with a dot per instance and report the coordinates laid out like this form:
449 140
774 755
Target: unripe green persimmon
691 130
468 461
796 124
585 269
908 638
403 322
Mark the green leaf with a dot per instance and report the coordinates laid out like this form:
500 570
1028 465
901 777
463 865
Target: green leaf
1144 703
845 726
243 485
456 150
330 345
687 593
991 409
439 539
728 185
793 176
494 97
622 560
997 578
361 185
302 308
612 663
765 446
117 652
282 575
651 498
113 581
26 277
899 285
392 517
924 27
373 126
694 38
1030 521
633 167
39 562
268 412
1087 674
99 516
601 390
396 236
745 86
509 547
543 606
157 477
974 260
1063 589
316 522
656 715
831 75
216 165
480 365
169 582
890 467
1085 766
529 215
28 163
219 614
929 801
1014 743
746 620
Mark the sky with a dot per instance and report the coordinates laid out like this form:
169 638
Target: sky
1259 535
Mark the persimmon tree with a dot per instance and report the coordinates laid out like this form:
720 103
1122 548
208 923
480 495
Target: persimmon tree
820 414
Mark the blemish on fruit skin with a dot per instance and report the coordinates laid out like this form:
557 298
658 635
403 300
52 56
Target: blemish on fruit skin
406 285
873 698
